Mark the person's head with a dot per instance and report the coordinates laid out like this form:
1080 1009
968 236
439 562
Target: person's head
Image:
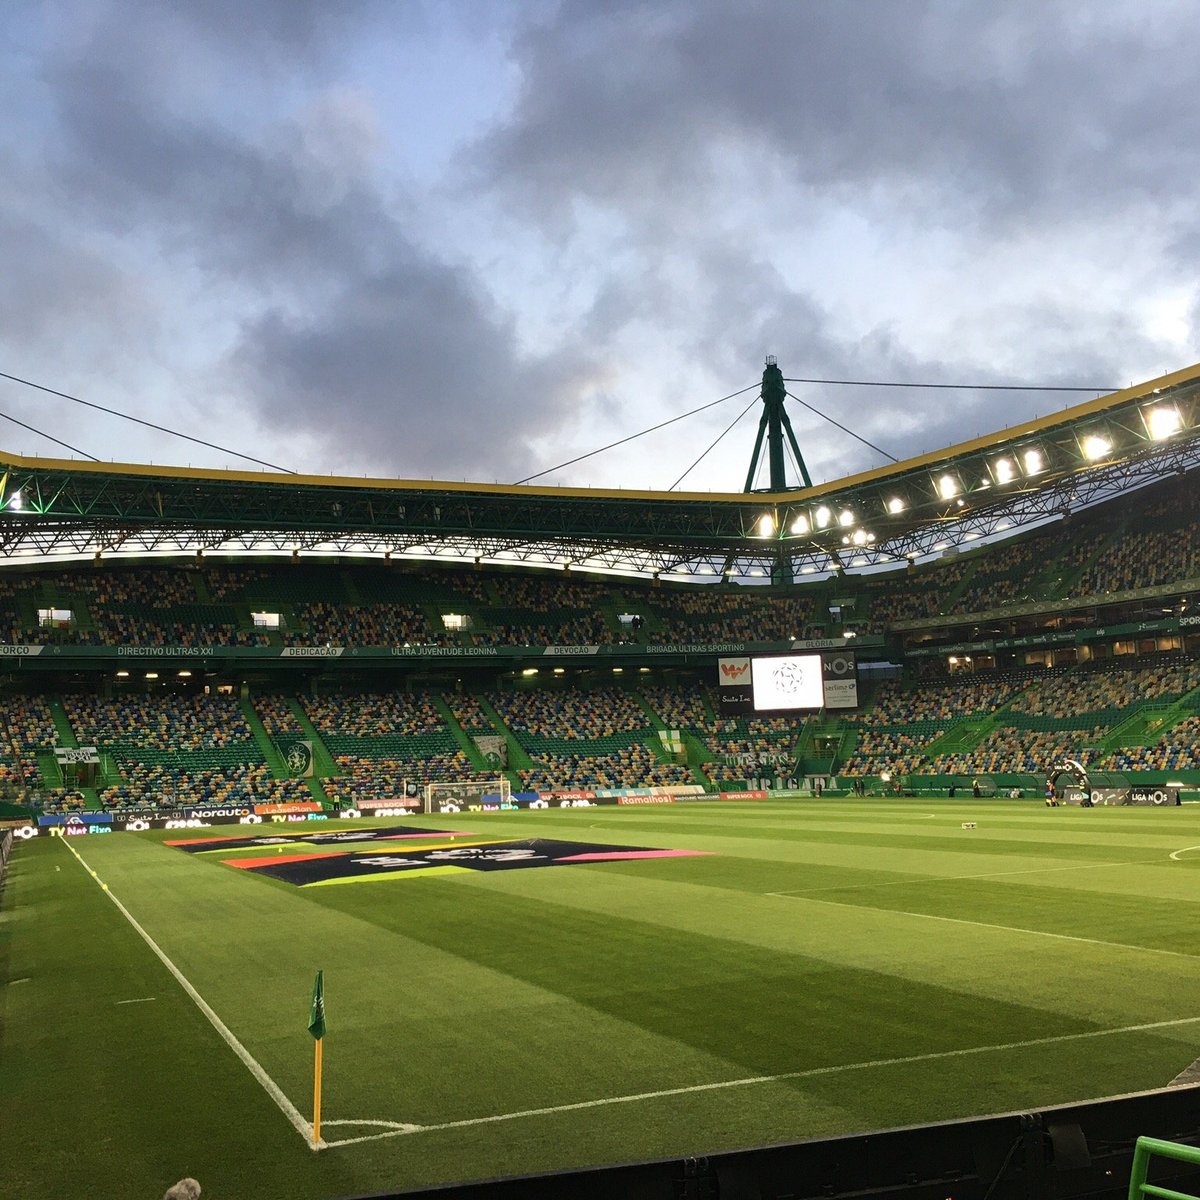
185 1189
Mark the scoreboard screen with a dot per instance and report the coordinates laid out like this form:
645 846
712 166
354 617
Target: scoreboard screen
787 681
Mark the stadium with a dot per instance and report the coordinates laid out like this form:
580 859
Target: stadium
878 797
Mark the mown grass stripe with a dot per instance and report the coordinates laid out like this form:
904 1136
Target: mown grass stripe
285 1106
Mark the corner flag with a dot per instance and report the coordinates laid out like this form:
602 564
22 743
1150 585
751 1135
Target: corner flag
316 1016
316 1026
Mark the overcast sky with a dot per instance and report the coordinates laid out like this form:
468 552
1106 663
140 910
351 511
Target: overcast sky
474 240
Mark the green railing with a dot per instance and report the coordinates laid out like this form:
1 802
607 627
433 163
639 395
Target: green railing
1146 1148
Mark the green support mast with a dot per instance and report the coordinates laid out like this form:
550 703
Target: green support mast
775 426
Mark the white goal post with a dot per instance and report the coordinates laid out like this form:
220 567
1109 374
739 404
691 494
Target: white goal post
460 795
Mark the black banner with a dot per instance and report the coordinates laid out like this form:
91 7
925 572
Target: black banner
330 867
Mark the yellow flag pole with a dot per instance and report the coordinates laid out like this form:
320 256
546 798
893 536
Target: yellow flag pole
317 1092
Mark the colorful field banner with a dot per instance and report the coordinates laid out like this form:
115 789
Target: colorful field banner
307 870
283 810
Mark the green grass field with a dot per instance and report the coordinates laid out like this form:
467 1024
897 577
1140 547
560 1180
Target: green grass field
828 967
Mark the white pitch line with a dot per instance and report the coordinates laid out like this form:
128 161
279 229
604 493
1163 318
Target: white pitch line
1176 853
1065 937
140 999
753 1080
289 1110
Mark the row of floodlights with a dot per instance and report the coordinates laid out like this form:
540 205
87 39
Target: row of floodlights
1161 423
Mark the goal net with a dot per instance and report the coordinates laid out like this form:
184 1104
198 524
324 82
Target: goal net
459 796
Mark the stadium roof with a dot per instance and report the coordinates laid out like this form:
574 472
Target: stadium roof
994 485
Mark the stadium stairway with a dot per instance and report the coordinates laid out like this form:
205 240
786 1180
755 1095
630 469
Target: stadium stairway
963 736
656 722
518 756
1150 722
323 764
275 759
465 741
1058 581
959 590
811 749
200 587
27 606
265 743
694 753
697 754
62 725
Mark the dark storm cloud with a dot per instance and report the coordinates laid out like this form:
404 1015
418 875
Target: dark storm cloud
989 124
408 361
999 109
394 360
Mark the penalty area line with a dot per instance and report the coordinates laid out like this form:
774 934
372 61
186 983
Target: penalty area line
1044 933
751 1081
285 1106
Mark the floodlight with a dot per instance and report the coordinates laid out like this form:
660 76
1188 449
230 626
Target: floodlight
16 502
618 670
1005 470
947 487
801 524
122 674
845 518
824 516
151 674
766 525
1096 446
530 671
1161 422
895 505
1033 460
860 537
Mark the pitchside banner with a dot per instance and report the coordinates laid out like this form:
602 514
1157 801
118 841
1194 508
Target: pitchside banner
734 693
840 677
1157 797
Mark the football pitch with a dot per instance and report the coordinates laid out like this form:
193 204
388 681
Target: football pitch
807 968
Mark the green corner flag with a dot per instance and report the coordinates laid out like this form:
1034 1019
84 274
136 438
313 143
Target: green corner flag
316 1016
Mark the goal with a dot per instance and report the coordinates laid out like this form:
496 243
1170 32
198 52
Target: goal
461 795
